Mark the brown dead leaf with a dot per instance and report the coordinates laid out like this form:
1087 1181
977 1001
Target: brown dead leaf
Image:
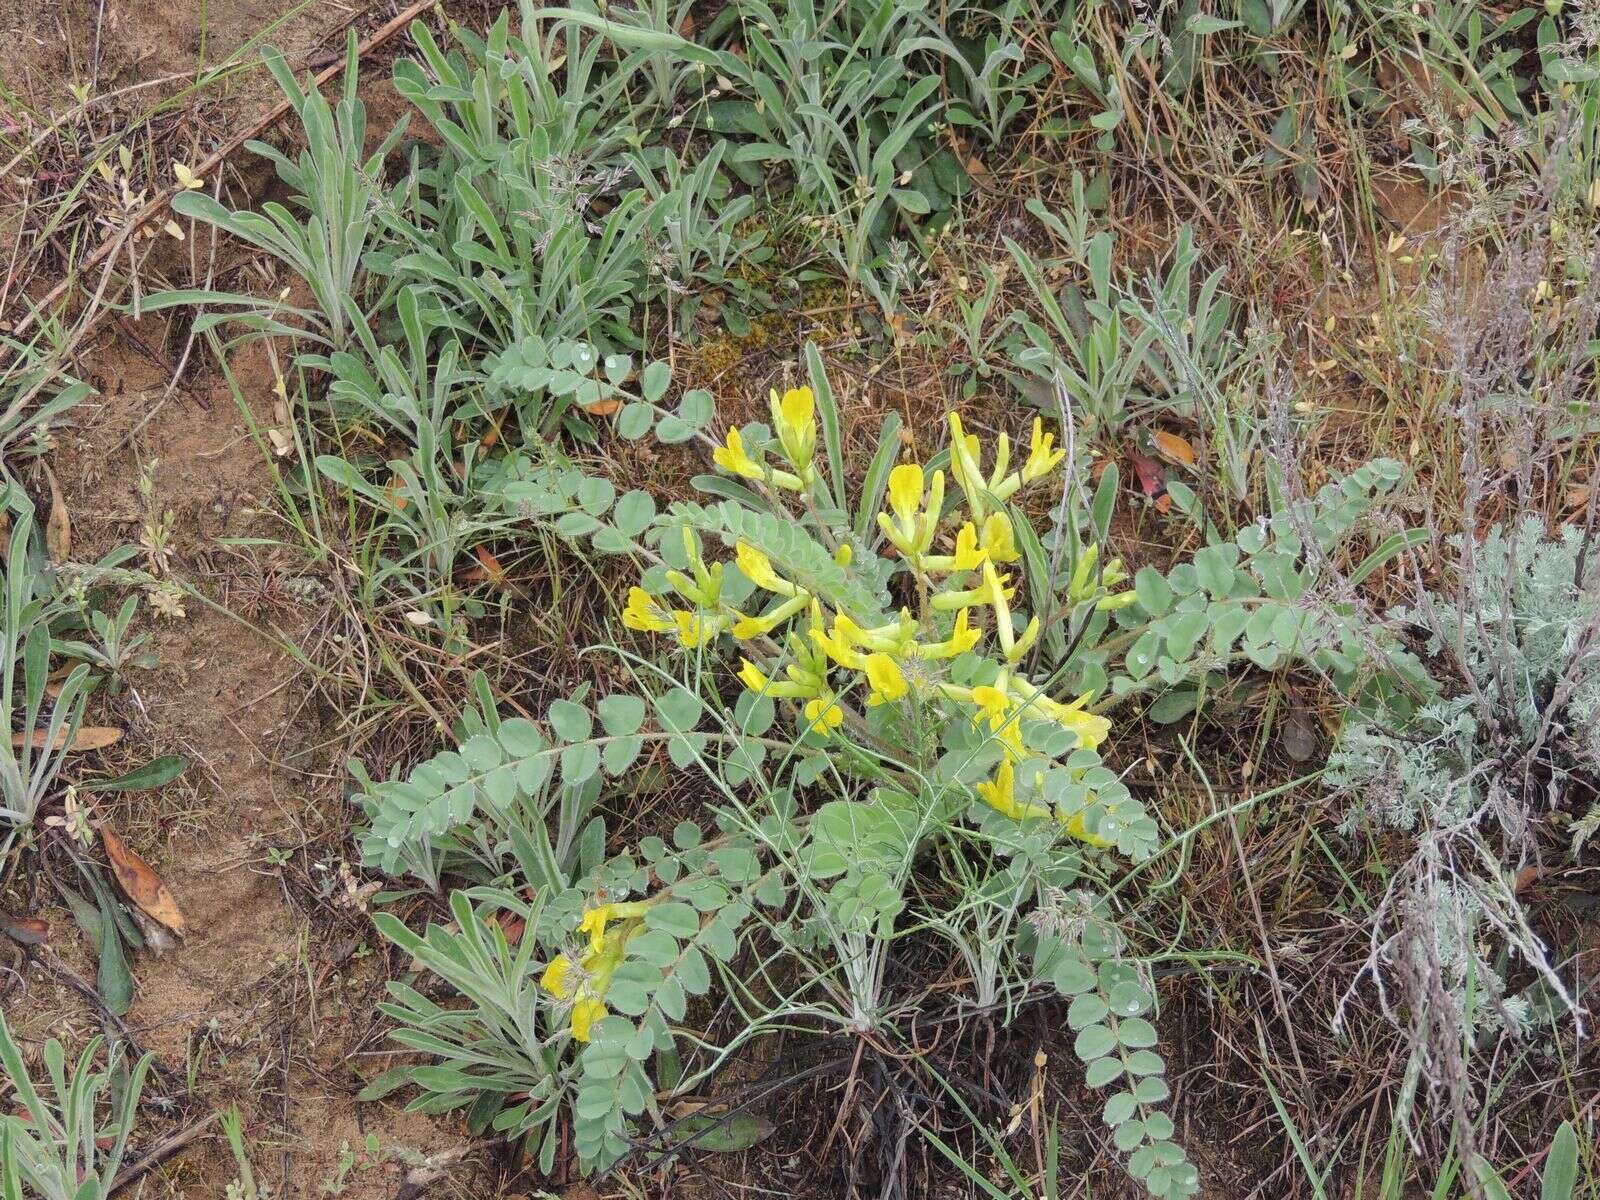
25 931
1173 448
58 680
1147 473
88 737
139 883
58 530
492 570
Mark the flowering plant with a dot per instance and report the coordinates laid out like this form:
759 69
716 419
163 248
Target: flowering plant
954 656
935 787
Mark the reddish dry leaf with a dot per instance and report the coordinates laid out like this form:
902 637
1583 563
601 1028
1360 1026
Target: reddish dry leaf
1147 472
139 883
88 737
1173 448
492 570
25 931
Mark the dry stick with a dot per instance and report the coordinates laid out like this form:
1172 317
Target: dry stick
161 1152
108 250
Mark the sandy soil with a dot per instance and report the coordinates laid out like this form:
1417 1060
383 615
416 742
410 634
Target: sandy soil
268 1002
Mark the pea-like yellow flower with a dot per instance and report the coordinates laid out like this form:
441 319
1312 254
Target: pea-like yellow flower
596 919
823 714
646 614
966 466
732 457
840 644
1077 827
969 555
963 637
746 627
905 491
752 676
557 977
1000 794
911 528
1024 643
585 982
794 418
1112 603
995 707
1042 457
757 567
884 676
586 1010
1090 728
695 629
999 538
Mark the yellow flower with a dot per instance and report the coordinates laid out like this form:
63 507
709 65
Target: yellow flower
758 569
887 681
968 556
911 529
746 627
752 676
585 1012
732 458
1091 728
794 417
596 919
644 612
1024 643
963 637
1042 458
1078 828
905 492
994 706
999 538
965 465
597 966
823 715
995 586
997 593
556 978
1000 795
696 628
839 646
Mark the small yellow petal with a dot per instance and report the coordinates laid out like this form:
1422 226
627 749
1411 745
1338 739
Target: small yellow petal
752 676
905 491
644 613
888 682
585 1013
555 979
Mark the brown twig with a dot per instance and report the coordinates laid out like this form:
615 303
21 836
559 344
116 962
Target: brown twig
161 1152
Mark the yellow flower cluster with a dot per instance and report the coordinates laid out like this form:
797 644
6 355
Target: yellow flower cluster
957 570
584 982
